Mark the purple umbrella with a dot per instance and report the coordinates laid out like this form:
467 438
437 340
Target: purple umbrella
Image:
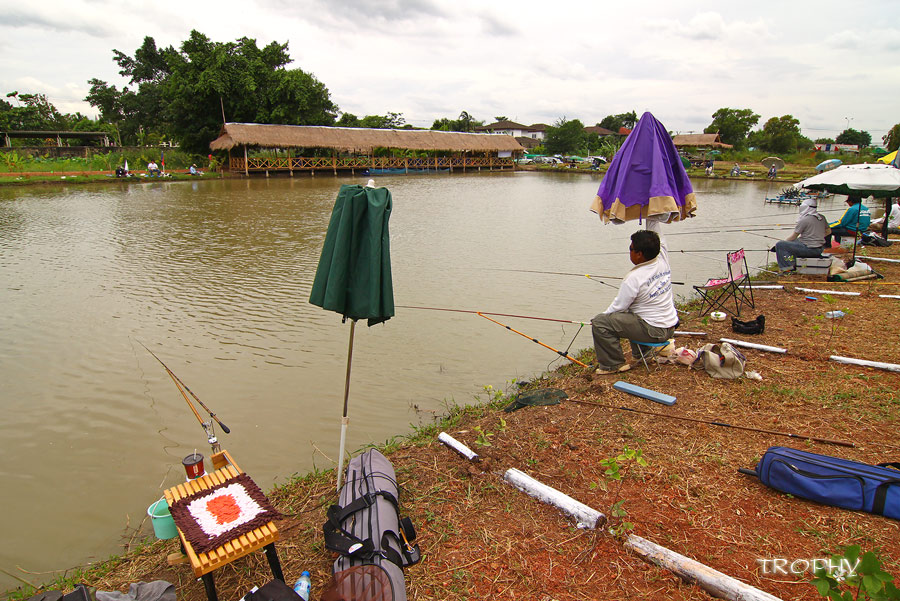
646 178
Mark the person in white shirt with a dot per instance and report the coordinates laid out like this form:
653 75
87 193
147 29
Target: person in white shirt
893 219
644 308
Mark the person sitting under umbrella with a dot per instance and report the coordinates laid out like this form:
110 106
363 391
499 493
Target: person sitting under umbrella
644 308
855 219
893 219
811 230
773 172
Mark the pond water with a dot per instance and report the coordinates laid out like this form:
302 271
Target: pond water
214 277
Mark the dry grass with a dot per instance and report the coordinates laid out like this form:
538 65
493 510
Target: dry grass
482 539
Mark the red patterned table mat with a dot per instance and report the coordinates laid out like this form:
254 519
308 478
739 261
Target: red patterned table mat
212 517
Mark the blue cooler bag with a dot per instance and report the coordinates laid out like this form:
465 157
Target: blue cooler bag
833 481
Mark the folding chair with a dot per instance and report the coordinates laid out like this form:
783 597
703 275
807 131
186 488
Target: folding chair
649 352
716 292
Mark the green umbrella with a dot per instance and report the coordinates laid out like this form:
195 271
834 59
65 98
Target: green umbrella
354 273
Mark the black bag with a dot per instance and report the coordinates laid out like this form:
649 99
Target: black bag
833 481
870 240
273 590
757 326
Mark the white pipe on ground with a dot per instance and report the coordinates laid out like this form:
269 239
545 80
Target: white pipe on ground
885 259
585 517
712 581
759 347
458 446
865 363
837 292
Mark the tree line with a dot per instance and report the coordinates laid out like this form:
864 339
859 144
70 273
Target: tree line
184 95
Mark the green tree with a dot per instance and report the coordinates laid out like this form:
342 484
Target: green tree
564 136
851 136
389 121
779 134
465 123
186 92
615 122
892 138
732 125
348 120
824 140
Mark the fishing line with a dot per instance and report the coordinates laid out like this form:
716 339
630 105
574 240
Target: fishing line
717 423
587 275
182 387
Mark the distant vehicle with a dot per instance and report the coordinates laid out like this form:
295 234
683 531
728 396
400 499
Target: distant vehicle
524 161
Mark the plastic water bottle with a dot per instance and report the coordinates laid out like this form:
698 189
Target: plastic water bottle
303 586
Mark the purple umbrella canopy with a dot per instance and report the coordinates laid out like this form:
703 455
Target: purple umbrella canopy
646 178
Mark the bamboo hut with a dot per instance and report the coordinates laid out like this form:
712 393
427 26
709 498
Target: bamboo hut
355 148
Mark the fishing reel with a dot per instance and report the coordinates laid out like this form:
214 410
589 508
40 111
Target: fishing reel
210 430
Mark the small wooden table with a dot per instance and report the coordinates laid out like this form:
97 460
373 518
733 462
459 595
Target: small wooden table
203 564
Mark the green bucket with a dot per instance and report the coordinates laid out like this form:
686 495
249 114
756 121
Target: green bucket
163 523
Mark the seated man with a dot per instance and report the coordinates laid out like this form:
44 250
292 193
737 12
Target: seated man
153 169
893 219
773 173
644 308
811 230
736 170
855 219
194 170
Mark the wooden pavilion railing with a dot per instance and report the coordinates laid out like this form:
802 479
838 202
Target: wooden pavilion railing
335 164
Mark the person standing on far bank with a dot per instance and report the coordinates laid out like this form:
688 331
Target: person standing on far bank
644 308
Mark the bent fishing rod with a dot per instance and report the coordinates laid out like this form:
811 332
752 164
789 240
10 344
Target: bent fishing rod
717 423
558 352
586 275
181 386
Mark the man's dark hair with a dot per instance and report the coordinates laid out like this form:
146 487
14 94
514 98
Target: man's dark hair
852 200
645 242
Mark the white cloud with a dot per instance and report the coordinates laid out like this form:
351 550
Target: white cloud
537 62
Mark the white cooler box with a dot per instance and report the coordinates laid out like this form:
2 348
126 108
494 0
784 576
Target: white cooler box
813 265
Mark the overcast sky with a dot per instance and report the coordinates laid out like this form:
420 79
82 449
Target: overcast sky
531 61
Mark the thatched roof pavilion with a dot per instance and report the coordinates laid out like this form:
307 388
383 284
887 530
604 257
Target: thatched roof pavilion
353 139
706 140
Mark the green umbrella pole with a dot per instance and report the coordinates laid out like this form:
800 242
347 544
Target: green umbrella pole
344 419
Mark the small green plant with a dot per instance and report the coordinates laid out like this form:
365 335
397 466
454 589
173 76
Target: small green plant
857 577
483 438
616 468
618 514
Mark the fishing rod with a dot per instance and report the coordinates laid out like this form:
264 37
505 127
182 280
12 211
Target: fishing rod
711 258
558 352
207 425
483 313
586 275
717 423
746 231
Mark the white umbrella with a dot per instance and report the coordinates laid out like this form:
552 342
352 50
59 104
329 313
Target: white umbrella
878 180
857 180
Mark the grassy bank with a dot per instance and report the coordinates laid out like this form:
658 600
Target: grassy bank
483 539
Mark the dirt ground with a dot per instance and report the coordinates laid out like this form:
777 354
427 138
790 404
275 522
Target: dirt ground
483 539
